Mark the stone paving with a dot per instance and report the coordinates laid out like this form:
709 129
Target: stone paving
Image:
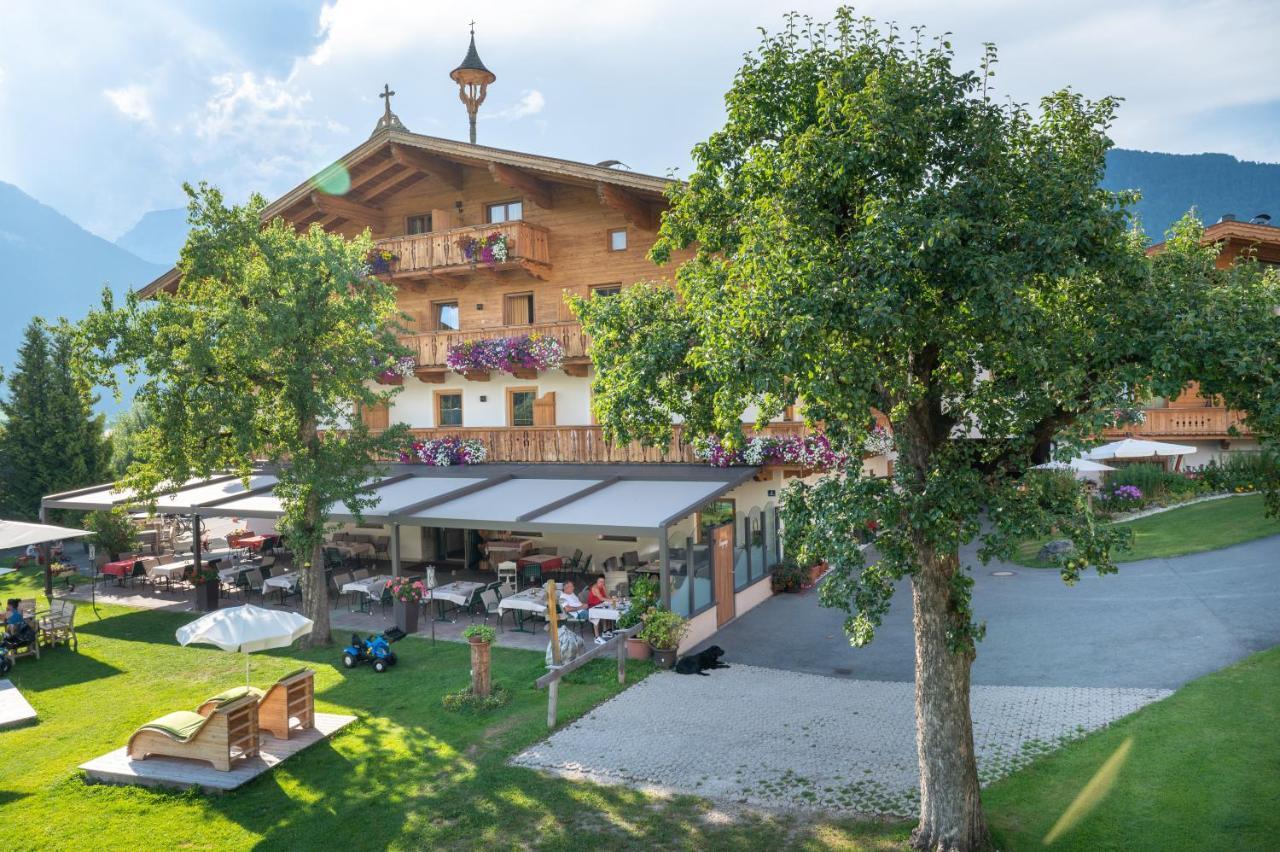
782 740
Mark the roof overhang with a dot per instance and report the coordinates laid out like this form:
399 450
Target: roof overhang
632 500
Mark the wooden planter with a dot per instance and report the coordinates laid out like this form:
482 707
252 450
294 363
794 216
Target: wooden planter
637 649
388 379
481 682
406 615
207 596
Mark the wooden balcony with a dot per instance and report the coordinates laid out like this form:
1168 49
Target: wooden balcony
440 252
1207 423
432 348
583 444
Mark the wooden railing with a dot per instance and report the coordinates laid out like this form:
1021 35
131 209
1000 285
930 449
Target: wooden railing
432 347
585 444
440 251
1183 423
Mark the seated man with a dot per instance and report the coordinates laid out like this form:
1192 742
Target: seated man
34 554
570 604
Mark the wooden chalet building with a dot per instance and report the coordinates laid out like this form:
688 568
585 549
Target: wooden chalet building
1192 418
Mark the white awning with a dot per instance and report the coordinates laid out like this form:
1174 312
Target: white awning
21 533
600 499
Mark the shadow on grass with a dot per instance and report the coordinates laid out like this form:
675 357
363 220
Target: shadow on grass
58 667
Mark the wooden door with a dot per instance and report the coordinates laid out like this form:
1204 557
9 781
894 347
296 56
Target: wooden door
722 571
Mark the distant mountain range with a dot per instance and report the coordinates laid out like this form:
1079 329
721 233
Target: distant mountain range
1213 184
157 237
51 267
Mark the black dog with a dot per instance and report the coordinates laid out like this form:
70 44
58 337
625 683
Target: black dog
700 662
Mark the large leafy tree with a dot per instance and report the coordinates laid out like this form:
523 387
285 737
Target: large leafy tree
875 231
263 354
53 441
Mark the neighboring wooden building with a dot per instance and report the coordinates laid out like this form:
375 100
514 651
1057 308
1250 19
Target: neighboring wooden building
1192 418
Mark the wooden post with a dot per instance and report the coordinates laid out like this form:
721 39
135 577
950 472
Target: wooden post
553 695
622 658
553 623
481 683
395 550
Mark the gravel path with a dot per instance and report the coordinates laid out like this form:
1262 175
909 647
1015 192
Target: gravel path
780 740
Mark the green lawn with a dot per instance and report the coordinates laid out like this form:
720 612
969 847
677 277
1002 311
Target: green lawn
1190 529
1200 770
1203 765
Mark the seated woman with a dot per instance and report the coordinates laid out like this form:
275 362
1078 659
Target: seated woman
598 595
13 618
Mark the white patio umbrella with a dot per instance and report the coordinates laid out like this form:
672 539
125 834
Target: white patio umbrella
1078 465
1136 448
246 629
21 534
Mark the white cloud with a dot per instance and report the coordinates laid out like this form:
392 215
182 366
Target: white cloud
530 103
243 104
132 101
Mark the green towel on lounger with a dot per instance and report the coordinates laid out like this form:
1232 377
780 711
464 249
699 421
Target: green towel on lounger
237 692
182 725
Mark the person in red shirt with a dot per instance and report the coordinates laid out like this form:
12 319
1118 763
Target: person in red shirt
596 596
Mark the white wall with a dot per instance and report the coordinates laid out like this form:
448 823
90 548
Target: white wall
1207 451
415 404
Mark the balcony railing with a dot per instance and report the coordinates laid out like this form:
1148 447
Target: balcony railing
1184 423
441 252
432 348
584 444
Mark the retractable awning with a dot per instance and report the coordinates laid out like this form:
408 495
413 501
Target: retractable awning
637 500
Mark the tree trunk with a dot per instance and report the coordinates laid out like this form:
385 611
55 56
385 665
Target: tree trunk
315 593
951 815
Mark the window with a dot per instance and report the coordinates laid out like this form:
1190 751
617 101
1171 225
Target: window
446 316
520 406
606 290
618 240
448 408
419 224
517 309
503 211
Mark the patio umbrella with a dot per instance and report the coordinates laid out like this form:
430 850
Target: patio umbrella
246 629
1079 465
1136 448
21 534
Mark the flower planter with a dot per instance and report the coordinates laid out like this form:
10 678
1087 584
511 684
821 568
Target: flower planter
406 615
664 658
207 597
816 571
637 649
390 379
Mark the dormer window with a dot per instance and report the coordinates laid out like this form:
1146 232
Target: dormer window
503 211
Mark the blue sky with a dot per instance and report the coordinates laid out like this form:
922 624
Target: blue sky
106 108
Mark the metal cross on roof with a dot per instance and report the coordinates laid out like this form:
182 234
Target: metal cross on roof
389 120
387 93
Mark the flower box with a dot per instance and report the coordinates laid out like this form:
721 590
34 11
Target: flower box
527 353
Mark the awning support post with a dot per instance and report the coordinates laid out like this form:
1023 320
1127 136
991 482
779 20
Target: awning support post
395 550
195 541
664 568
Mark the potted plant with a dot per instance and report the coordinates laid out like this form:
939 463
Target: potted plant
112 531
406 601
480 636
790 576
644 594
663 630
206 582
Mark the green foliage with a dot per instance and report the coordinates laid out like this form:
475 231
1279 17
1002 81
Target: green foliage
466 700
1241 471
128 438
644 597
481 632
663 629
271 338
112 531
52 441
789 576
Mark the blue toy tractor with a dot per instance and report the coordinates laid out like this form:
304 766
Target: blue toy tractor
375 650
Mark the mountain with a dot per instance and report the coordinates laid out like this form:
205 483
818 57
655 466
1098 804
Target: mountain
1214 184
157 237
51 267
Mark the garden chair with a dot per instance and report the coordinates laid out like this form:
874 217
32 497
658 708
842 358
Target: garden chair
610 564
253 577
360 574
631 559
613 579
229 733
489 600
531 574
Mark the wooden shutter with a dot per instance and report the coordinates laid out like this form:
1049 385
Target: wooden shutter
375 416
544 410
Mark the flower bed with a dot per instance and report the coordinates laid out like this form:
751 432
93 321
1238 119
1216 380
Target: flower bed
814 452
445 452
506 354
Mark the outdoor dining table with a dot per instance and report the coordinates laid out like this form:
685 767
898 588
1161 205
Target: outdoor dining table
121 569
352 548
545 561
507 550
169 571
284 582
530 600
253 542
370 587
458 592
607 612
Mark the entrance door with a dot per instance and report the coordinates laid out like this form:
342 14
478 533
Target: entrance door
722 570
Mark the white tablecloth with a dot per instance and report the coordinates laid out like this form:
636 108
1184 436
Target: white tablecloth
604 612
458 592
228 574
283 581
530 600
371 586
171 570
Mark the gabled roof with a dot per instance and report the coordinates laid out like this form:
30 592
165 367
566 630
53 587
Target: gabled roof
374 157
1234 230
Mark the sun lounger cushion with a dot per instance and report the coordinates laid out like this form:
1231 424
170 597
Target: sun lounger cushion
182 725
236 692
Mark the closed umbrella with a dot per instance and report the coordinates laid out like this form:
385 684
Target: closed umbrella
246 629
1079 465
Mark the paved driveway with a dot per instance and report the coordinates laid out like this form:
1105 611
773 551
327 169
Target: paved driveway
1158 623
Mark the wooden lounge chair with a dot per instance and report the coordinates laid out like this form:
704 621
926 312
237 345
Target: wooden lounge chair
229 732
287 707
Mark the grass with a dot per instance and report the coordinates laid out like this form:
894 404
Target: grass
1203 767
1199 770
1204 526
406 775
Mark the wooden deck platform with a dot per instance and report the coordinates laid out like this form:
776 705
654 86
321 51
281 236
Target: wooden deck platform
118 768
14 709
